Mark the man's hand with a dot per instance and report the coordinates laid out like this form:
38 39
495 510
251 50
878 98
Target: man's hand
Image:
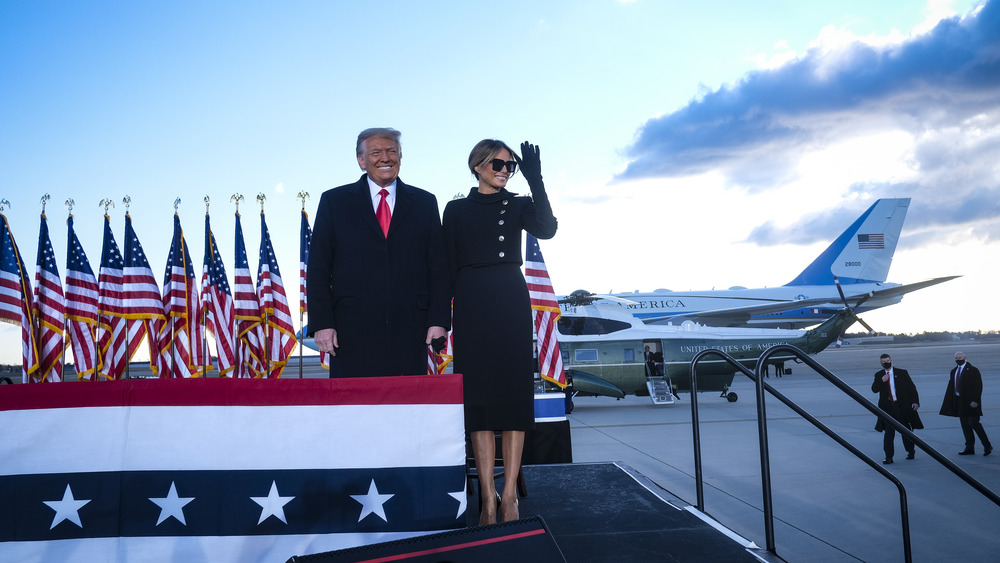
326 340
885 377
432 333
915 406
973 404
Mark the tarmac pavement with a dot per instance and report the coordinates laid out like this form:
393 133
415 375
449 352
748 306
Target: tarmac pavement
828 504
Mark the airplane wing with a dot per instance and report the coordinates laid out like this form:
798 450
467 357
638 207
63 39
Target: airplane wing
735 316
739 316
901 290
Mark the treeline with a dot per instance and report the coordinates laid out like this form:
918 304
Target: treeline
967 336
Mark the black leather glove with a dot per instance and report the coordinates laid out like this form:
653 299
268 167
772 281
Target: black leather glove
531 166
438 344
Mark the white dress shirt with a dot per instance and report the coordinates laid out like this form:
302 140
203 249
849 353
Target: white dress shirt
390 199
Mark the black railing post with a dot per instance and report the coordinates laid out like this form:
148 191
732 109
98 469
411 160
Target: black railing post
698 477
765 462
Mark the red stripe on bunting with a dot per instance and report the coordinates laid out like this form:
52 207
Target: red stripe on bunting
404 390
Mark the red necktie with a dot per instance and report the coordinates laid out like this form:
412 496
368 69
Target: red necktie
382 213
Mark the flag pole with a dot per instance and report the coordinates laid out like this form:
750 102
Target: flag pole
241 367
204 320
267 353
173 326
76 361
62 349
128 357
303 196
107 202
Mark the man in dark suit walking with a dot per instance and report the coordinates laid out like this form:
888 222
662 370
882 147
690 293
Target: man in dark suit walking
963 398
897 396
378 277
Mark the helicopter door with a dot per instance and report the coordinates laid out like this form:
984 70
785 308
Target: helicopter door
653 358
659 387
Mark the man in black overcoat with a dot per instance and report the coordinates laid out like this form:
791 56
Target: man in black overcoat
897 396
964 400
377 299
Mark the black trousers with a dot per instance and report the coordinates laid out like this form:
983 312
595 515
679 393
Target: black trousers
971 425
889 433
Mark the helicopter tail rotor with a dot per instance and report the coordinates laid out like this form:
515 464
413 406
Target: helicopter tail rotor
851 310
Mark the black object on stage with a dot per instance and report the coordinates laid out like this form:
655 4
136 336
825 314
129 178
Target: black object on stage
527 539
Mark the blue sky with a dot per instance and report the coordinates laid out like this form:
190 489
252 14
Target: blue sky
684 145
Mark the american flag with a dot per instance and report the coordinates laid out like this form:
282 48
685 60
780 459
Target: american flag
112 348
217 301
49 308
15 304
305 239
871 241
280 335
81 305
141 297
546 312
182 335
250 345
432 361
441 359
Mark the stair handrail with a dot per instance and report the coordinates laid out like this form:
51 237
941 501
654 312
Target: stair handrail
760 387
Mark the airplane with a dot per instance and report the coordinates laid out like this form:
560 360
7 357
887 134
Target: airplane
603 348
858 259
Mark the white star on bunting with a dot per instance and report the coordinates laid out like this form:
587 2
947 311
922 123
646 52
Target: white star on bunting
462 499
66 509
372 502
171 505
272 504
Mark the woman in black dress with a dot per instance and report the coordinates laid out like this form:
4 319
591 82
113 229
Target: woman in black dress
492 311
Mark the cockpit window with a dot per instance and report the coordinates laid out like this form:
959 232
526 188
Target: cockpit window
577 326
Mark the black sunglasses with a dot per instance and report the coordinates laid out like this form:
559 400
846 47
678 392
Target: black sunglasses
499 165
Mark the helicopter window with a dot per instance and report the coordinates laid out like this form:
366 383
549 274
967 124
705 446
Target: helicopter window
629 355
576 326
586 355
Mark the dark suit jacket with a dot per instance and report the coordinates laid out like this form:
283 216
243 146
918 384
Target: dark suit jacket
379 293
970 389
906 396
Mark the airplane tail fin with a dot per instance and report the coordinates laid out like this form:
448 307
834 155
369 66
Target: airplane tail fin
862 253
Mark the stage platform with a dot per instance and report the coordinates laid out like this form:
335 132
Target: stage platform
609 512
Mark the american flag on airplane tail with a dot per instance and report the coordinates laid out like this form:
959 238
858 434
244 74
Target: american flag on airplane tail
15 298
81 305
871 241
279 332
112 345
49 308
182 335
142 298
305 240
546 312
250 346
217 301
102 476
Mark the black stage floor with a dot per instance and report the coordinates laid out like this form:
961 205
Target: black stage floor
606 512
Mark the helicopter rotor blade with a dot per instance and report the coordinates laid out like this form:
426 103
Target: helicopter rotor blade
847 306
